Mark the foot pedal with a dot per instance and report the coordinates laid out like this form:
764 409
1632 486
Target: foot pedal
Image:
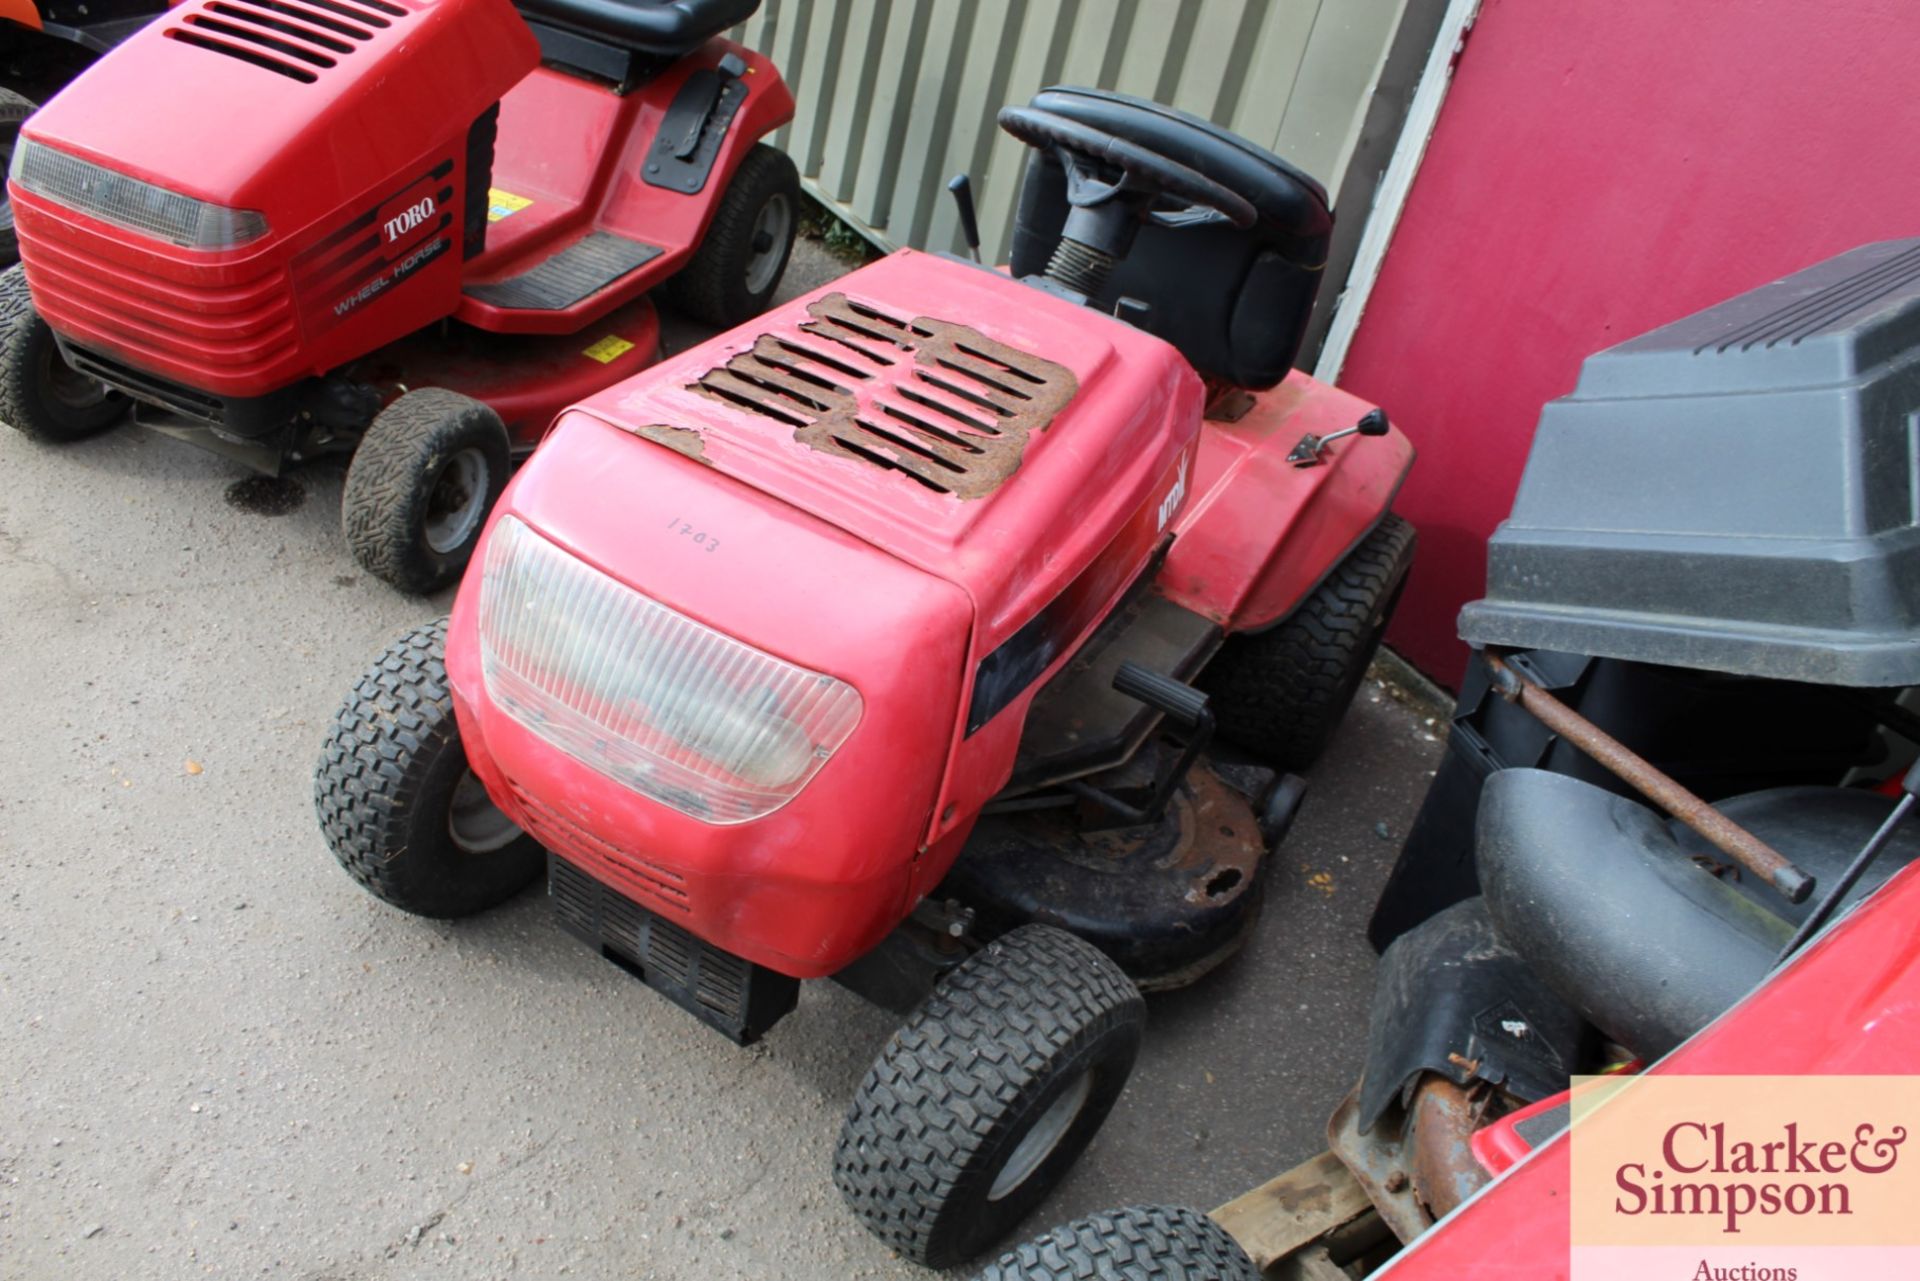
1178 701
572 275
726 992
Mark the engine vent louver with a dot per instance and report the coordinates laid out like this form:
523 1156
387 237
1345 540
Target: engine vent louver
297 39
939 403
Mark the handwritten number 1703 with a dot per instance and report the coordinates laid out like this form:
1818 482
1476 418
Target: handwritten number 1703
699 537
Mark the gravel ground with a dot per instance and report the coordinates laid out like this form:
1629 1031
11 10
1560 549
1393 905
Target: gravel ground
224 1059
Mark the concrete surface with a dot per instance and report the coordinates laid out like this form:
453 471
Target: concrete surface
222 1058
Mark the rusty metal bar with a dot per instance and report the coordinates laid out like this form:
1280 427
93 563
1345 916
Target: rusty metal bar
1742 846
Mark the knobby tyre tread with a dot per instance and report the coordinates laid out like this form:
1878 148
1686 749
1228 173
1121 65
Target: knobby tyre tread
1139 1243
968 1074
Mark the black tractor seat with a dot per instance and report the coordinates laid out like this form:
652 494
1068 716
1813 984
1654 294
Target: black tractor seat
1284 196
1235 301
658 28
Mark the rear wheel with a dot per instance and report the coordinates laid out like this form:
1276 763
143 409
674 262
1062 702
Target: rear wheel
398 804
735 271
1281 693
14 111
988 1093
1140 1243
420 485
43 396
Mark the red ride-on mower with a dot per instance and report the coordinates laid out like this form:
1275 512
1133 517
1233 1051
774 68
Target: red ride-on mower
406 230
880 664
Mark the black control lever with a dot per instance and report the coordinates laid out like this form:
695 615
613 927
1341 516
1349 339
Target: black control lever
962 188
1307 452
731 68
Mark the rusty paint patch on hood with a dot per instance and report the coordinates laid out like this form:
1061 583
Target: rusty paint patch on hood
681 440
941 403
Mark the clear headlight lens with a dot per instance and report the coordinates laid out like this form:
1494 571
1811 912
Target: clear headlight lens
667 706
128 202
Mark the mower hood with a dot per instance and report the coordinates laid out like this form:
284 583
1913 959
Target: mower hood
981 430
238 104
928 480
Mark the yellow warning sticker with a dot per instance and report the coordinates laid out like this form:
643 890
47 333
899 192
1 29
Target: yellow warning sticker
504 204
609 349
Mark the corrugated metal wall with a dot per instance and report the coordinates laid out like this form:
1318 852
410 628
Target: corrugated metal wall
896 96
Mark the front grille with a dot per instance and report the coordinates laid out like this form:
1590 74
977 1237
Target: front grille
938 403
663 887
724 991
231 328
297 39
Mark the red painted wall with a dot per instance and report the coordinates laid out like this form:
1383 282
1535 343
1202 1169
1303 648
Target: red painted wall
1602 167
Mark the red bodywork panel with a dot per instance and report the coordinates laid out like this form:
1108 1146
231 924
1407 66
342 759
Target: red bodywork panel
1846 1006
341 164
848 566
1261 533
576 151
821 879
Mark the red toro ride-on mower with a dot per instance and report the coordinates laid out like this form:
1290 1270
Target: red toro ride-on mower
877 666
407 230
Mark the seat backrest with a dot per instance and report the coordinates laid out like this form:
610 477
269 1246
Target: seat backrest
1234 302
660 28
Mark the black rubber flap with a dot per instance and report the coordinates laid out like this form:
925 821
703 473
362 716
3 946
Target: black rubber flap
1736 491
1453 998
582 269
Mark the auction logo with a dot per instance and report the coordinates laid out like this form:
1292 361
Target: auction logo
1745 1178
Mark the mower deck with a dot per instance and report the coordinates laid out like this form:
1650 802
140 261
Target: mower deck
1170 900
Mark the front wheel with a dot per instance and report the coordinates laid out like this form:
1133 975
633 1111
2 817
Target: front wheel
1140 1243
398 804
420 486
44 397
988 1093
735 271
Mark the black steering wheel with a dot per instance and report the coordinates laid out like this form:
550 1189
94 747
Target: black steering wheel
1144 175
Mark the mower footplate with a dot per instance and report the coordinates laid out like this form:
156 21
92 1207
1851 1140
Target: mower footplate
569 276
1169 901
730 994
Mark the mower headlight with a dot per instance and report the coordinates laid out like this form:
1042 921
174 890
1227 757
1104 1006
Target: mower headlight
645 695
139 206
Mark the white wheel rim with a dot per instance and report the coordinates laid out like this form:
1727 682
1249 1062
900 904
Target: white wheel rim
773 226
1039 1142
458 501
475 823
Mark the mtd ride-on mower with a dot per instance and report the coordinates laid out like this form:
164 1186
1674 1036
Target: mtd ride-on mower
407 230
857 643
1676 824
